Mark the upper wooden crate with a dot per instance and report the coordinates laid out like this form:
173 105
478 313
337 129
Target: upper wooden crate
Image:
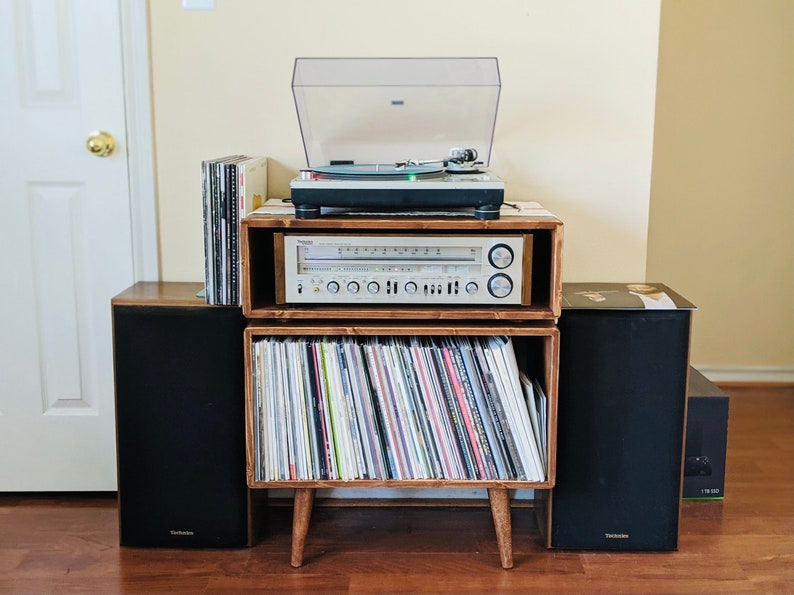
262 268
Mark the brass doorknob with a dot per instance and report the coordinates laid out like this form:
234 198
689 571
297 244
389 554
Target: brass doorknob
100 143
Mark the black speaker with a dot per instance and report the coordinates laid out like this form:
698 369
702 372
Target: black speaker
624 359
180 419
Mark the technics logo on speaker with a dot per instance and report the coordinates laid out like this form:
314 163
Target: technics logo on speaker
616 535
186 533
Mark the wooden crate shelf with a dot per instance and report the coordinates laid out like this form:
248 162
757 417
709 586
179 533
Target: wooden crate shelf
537 348
530 325
262 277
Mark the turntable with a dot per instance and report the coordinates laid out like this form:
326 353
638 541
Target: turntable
397 134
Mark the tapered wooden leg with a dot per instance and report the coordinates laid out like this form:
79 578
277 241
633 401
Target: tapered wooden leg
500 509
304 498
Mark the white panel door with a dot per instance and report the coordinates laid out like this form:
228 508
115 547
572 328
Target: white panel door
65 242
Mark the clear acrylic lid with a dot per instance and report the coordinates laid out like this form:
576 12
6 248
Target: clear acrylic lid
385 110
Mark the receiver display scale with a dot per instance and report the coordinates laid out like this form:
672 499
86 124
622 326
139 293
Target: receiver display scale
413 269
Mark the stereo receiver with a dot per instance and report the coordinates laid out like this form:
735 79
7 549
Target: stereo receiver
412 269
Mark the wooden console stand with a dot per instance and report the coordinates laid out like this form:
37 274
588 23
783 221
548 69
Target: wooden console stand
530 325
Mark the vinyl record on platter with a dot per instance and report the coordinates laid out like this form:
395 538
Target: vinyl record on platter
377 170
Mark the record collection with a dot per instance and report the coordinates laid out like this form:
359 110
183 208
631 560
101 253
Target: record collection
342 408
231 187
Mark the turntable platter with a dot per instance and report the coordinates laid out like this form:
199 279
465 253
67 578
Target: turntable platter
375 170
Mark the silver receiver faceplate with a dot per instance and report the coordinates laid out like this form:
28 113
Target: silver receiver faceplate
413 269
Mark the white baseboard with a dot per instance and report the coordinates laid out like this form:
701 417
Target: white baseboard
757 374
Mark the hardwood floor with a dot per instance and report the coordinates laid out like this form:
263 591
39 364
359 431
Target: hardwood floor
743 544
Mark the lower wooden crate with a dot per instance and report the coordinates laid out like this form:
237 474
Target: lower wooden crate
537 346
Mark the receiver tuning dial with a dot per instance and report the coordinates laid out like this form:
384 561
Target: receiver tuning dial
500 256
332 287
500 285
353 287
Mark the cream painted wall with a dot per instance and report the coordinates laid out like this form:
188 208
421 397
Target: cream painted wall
575 125
574 132
722 200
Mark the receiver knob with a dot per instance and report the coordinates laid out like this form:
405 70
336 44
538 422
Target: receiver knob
471 288
353 287
373 287
500 285
500 256
332 287
410 287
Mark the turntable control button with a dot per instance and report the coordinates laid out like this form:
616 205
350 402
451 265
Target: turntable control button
332 287
471 288
373 287
410 287
353 287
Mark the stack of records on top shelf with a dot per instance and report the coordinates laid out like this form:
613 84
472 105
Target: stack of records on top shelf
231 187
